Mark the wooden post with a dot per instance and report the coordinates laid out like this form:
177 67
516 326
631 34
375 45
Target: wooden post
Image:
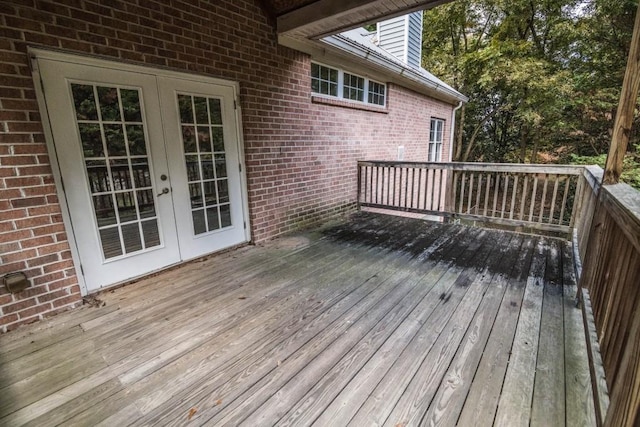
359 184
626 107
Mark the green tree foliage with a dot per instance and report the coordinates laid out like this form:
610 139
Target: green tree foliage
543 76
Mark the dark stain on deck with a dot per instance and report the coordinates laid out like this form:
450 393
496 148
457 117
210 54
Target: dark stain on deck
421 239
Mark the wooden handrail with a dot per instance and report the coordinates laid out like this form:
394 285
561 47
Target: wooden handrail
608 241
517 195
480 167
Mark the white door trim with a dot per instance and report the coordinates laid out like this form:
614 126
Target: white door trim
35 54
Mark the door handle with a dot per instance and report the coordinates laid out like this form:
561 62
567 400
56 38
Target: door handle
165 190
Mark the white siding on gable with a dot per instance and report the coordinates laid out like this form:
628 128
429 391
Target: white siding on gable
392 36
402 37
414 43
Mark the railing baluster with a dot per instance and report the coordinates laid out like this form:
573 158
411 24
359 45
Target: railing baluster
390 185
434 189
533 198
363 183
426 195
418 187
374 171
470 192
544 197
379 184
479 192
553 199
359 184
504 195
512 209
439 187
383 171
391 191
454 191
419 192
379 174
524 196
406 188
462 187
388 176
413 181
403 178
370 178
564 201
397 185
395 188
496 185
486 194
434 183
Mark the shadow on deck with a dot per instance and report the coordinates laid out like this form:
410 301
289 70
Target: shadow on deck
377 321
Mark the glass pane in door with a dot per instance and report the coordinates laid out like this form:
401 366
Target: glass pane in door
114 146
205 160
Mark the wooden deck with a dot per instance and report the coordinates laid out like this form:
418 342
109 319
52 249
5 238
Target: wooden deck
379 321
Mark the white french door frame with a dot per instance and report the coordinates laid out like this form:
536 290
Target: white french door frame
38 53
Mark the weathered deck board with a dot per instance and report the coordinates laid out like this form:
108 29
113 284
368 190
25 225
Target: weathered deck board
449 400
378 320
579 402
514 407
416 398
548 407
482 399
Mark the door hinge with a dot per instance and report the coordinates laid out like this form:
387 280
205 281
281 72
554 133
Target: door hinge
235 104
240 167
81 270
245 224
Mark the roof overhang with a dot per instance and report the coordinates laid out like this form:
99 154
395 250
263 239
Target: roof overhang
323 18
315 28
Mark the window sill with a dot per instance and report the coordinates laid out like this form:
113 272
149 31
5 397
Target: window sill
336 102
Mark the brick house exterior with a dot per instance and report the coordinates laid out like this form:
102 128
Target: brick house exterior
300 154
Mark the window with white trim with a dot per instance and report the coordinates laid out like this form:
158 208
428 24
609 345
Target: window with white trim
340 84
353 87
377 92
436 132
324 80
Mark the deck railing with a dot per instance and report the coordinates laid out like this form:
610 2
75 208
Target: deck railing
605 225
608 240
534 196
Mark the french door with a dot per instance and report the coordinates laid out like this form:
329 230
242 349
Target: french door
149 165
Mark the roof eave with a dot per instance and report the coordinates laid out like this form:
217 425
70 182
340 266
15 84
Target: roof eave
340 51
405 72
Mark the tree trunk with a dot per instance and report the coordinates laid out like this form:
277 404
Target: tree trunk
472 140
534 151
524 139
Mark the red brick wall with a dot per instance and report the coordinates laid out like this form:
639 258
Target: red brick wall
301 156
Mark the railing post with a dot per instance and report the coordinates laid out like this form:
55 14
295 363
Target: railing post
578 200
359 183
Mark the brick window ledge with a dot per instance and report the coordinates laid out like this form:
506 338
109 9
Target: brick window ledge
348 104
